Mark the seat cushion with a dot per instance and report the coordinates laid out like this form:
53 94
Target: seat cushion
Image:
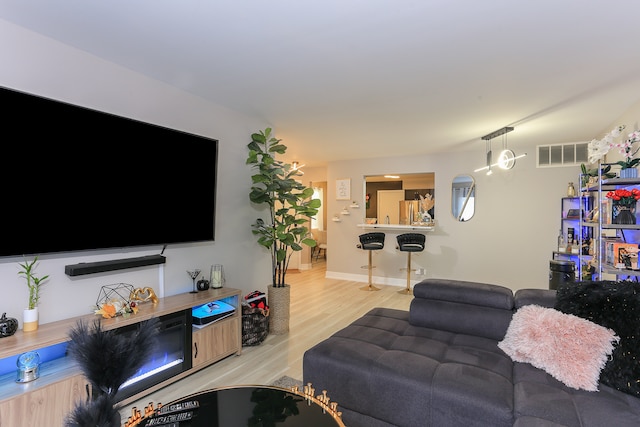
404 375
372 246
541 400
412 247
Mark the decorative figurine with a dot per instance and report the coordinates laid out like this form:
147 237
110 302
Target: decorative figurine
203 284
143 295
8 326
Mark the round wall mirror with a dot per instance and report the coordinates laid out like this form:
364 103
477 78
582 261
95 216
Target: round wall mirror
463 195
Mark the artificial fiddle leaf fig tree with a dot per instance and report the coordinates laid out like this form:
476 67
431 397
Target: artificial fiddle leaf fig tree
290 203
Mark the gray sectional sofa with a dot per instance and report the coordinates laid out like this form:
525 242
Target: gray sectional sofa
439 364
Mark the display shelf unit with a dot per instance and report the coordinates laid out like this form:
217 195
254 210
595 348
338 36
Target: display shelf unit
605 231
579 207
47 400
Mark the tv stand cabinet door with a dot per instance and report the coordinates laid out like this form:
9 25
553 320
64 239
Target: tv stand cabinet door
215 341
46 406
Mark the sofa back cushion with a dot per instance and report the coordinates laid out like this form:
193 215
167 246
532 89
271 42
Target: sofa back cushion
457 306
541 297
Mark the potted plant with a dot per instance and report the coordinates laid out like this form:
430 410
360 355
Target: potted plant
34 283
290 209
599 148
627 150
590 176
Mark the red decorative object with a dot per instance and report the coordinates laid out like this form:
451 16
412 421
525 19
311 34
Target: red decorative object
625 197
256 299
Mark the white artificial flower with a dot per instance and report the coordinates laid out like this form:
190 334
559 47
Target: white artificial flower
597 150
616 131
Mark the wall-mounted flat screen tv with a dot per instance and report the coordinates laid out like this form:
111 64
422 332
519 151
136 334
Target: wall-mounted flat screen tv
78 179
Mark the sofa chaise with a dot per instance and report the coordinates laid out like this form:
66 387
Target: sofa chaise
441 364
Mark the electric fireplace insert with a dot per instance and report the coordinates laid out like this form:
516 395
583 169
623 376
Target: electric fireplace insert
171 357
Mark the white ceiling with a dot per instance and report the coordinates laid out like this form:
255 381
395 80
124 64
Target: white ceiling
342 79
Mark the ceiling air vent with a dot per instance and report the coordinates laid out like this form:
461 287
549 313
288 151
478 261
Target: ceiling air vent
567 154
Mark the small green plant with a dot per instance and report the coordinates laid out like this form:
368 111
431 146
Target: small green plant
34 283
587 173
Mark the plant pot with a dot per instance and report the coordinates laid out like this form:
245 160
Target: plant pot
628 173
279 300
30 319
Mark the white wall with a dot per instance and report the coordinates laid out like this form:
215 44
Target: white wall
509 241
631 120
39 65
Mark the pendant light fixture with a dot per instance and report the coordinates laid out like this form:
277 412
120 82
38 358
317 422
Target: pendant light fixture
506 159
489 156
296 166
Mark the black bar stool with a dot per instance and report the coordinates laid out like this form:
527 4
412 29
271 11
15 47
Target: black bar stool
371 242
409 243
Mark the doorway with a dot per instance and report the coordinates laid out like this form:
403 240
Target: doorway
319 223
389 206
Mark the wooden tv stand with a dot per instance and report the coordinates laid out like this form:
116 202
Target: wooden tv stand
47 400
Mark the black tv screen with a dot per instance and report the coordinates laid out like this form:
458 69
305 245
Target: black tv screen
76 179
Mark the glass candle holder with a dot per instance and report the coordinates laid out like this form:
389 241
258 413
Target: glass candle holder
217 276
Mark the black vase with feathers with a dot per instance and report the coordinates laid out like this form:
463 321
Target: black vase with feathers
107 359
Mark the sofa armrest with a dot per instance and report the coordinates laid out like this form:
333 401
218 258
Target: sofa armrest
471 308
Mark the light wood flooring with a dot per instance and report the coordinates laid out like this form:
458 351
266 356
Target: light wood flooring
319 307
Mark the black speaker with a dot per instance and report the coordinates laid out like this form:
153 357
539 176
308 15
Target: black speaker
115 264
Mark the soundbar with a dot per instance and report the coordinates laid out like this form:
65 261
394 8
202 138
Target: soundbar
114 264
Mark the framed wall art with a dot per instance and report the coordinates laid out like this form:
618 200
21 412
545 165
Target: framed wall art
343 189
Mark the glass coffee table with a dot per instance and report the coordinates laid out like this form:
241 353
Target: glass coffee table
246 406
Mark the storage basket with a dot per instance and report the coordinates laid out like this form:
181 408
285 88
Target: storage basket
255 325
